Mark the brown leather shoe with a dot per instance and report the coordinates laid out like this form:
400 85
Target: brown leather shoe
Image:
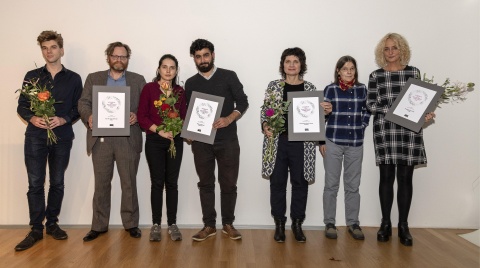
205 233
229 230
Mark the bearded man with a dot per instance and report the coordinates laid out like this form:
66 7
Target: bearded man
105 151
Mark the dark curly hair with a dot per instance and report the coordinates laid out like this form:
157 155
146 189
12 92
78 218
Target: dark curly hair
297 52
167 56
200 44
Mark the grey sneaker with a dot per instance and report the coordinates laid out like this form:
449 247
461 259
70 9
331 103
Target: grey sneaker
175 234
155 233
331 231
356 232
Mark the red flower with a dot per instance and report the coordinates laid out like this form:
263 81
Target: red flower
165 107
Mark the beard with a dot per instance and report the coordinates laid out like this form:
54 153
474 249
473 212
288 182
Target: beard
205 67
118 66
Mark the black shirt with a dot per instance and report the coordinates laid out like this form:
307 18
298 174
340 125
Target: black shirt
286 89
66 88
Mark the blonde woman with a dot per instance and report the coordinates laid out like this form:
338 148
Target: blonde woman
397 149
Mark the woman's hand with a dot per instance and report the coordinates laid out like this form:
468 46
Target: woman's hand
166 135
267 131
327 107
429 117
322 148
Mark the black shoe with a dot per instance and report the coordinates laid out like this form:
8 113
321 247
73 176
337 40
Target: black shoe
134 232
404 234
279 235
57 233
297 231
92 235
385 231
32 237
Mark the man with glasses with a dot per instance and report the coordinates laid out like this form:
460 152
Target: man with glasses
105 151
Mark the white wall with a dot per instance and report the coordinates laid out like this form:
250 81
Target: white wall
249 37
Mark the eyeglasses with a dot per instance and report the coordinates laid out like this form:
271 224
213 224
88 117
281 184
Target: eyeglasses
345 70
390 49
116 57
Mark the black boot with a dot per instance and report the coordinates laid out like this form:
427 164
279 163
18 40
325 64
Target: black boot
385 231
297 230
279 230
404 234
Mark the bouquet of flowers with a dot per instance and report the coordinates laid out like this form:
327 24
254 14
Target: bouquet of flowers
41 103
273 109
454 92
171 120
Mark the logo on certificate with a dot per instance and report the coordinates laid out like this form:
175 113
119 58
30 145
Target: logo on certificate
417 97
305 108
111 104
204 110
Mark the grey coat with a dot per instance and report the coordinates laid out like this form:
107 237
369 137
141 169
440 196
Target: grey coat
135 82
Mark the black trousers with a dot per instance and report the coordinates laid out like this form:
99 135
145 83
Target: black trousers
289 156
164 172
227 155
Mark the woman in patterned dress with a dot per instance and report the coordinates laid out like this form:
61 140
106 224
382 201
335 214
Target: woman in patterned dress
298 157
397 149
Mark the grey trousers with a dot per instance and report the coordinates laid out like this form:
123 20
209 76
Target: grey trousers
352 158
104 156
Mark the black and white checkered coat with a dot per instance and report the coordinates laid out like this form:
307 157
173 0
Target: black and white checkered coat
394 144
308 146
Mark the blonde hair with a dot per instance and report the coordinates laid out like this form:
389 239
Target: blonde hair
402 45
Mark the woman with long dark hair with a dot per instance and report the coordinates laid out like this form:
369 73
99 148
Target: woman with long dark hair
164 168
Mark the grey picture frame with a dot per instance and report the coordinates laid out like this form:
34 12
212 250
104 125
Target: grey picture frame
312 136
125 108
209 139
414 126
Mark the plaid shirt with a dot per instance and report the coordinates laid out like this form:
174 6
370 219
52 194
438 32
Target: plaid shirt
349 117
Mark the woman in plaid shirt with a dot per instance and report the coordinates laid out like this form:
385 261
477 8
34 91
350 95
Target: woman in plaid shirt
397 149
344 145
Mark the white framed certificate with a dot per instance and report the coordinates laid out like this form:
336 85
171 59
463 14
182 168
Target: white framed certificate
415 100
203 110
306 120
111 111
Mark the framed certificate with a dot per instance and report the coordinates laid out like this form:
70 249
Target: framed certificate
415 100
203 110
111 111
306 120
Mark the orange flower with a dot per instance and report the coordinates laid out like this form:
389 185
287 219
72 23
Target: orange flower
165 86
43 96
172 114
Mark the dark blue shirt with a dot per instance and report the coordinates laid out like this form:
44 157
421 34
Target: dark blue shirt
66 88
349 117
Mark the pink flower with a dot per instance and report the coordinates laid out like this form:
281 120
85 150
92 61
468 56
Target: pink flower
270 112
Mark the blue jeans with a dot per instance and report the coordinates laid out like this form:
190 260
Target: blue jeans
37 153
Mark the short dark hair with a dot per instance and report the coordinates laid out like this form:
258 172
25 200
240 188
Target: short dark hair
297 52
48 36
200 44
112 46
340 64
167 56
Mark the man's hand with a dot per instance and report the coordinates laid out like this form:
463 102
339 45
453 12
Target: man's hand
38 122
222 122
56 122
90 121
133 118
